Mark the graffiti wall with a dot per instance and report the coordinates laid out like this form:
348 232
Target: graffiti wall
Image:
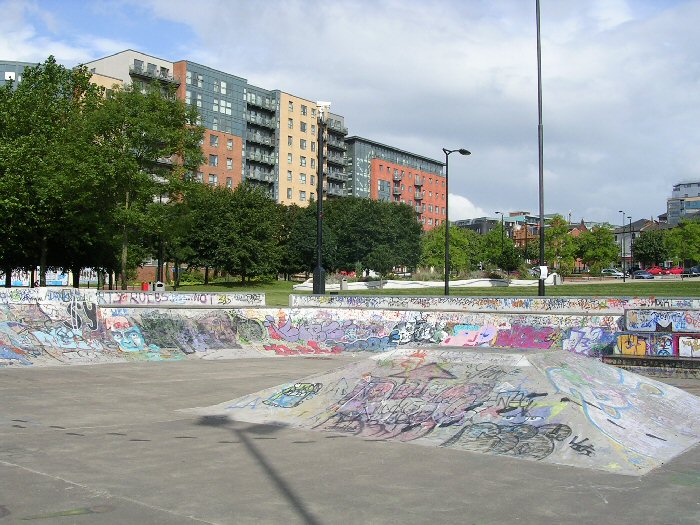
580 305
547 407
652 320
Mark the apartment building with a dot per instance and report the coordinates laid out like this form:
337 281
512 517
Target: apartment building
684 202
12 71
382 172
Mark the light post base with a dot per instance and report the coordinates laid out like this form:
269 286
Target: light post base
540 288
319 281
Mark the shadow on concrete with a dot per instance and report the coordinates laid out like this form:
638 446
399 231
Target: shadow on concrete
243 434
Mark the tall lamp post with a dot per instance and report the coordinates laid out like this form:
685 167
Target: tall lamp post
622 246
540 144
447 152
631 256
502 231
319 286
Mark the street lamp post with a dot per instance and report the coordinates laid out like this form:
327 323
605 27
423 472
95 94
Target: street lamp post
631 264
502 231
622 246
319 286
540 146
447 152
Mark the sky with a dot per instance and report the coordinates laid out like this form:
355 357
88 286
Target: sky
620 82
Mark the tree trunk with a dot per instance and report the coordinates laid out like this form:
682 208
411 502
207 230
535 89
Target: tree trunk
111 280
32 278
176 271
125 247
8 277
42 261
76 277
206 275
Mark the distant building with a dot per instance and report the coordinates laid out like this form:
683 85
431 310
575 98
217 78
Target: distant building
684 202
386 173
12 71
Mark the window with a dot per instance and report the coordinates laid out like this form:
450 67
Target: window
225 107
138 65
199 177
313 146
151 68
289 140
289 158
302 195
290 123
215 124
229 144
200 81
215 106
217 86
199 100
313 112
229 182
302 161
381 168
313 180
302 143
213 141
302 126
302 178
289 175
223 87
188 97
312 196
289 193
213 179
303 110
313 129
213 160
290 106
313 163
229 164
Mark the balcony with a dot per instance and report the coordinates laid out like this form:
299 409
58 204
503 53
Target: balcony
256 156
336 175
397 190
418 182
270 105
260 175
260 121
335 191
153 75
418 196
338 129
259 138
335 159
397 177
337 144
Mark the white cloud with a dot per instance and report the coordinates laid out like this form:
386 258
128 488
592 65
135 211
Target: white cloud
463 208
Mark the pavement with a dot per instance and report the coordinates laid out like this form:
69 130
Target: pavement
110 444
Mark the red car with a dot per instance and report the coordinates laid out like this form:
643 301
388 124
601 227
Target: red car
656 270
676 270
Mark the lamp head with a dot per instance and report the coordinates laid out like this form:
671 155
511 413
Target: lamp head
463 151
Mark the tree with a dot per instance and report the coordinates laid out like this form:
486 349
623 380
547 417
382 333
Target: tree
558 243
683 241
650 247
152 146
53 166
597 247
466 249
499 249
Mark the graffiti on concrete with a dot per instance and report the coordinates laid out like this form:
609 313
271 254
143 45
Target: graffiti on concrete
662 320
688 346
589 340
231 300
294 395
644 344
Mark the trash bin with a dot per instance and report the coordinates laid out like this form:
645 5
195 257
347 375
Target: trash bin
145 286
343 284
159 287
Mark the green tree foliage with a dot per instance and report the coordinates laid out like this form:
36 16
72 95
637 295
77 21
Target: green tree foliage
597 247
466 249
150 144
558 243
683 242
499 249
650 247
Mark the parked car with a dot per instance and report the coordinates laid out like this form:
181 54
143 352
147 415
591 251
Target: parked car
676 270
693 271
642 274
656 270
612 272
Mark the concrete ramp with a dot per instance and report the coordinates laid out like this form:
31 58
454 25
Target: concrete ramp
549 406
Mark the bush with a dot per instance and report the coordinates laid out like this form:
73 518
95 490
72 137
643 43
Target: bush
192 276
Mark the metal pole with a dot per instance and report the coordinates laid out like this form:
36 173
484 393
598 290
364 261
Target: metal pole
540 285
447 223
502 239
622 247
319 287
631 256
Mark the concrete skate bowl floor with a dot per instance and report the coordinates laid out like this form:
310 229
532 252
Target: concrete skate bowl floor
546 406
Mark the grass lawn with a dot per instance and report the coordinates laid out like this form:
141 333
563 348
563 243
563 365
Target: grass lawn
277 292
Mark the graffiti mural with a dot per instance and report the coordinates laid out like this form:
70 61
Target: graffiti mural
662 320
688 346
